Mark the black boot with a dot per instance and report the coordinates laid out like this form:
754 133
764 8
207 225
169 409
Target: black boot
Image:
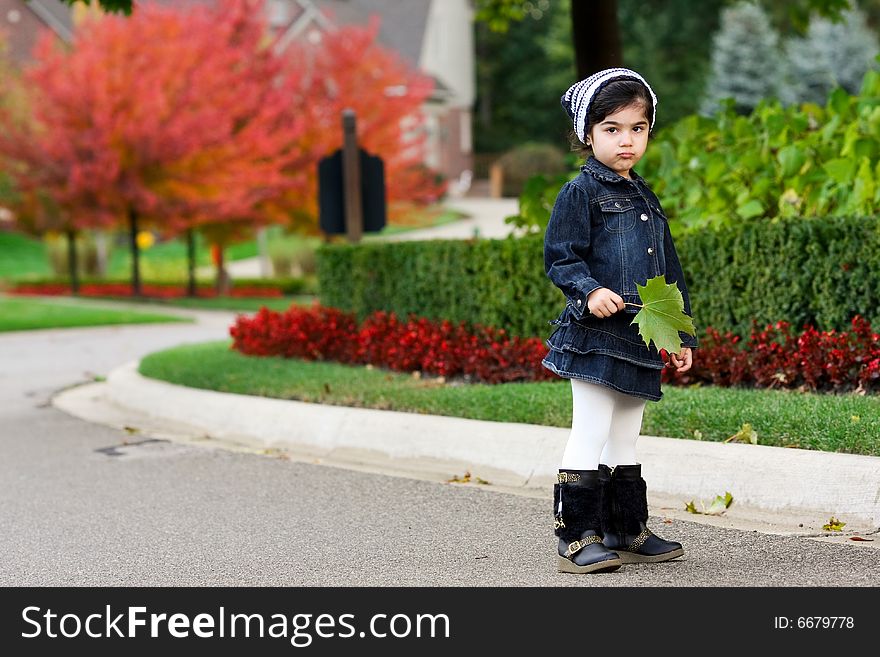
578 524
626 512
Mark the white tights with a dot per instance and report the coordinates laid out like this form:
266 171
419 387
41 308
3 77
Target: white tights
605 426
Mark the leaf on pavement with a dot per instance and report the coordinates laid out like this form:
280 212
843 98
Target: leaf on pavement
467 478
719 504
833 525
662 315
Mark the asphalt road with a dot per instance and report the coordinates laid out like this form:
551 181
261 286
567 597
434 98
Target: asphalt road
80 507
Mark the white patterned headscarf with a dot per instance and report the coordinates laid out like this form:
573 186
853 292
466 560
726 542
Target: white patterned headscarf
579 97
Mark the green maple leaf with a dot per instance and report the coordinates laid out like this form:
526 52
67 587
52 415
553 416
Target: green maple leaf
719 504
662 315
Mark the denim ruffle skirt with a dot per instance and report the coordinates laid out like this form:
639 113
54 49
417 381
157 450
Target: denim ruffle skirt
608 352
606 370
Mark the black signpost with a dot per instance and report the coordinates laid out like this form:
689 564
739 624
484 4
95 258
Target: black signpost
351 188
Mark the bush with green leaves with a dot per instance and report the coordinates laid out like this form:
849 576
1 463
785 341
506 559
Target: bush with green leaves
806 160
777 162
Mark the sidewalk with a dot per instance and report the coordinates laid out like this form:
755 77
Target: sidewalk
807 487
485 219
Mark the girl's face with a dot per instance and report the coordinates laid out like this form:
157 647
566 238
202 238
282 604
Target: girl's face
620 140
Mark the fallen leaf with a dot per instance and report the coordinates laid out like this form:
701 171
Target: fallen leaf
719 504
833 525
460 480
131 429
860 538
745 435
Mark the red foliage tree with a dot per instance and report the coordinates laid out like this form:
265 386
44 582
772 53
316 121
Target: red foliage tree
173 117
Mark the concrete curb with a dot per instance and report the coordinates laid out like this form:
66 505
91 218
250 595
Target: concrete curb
770 478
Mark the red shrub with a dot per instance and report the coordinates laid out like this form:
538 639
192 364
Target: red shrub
433 347
775 357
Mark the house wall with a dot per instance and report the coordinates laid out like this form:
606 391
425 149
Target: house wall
448 55
20 35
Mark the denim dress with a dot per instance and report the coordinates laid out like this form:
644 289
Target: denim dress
608 231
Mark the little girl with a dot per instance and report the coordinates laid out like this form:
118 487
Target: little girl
607 233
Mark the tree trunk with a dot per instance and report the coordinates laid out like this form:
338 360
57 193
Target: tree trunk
223 283
101 252
72 264
191 262
136 290
596 36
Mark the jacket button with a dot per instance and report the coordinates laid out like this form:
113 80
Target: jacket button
617 205
644 217
579 302
650 250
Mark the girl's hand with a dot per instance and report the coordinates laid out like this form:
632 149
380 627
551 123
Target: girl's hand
602 302
682 361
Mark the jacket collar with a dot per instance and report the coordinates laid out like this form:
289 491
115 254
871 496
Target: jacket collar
602 172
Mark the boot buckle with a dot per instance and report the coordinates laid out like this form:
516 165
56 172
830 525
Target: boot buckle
568 477
579 545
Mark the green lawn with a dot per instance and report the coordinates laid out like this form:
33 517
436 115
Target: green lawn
25 314
845 423
23 257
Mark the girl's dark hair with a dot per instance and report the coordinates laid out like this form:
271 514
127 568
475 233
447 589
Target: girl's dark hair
614 96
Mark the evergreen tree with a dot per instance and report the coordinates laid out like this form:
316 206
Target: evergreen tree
830 55
747 65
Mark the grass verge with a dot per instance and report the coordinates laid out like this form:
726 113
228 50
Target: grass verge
840 423
26 314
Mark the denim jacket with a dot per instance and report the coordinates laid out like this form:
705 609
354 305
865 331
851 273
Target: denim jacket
608 231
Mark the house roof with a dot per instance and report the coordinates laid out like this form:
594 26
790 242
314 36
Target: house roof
402 26
402 22
56 15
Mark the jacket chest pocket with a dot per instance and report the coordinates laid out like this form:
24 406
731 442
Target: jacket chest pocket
618 214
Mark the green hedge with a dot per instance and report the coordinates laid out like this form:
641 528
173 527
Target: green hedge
817 271
820 271
492 282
